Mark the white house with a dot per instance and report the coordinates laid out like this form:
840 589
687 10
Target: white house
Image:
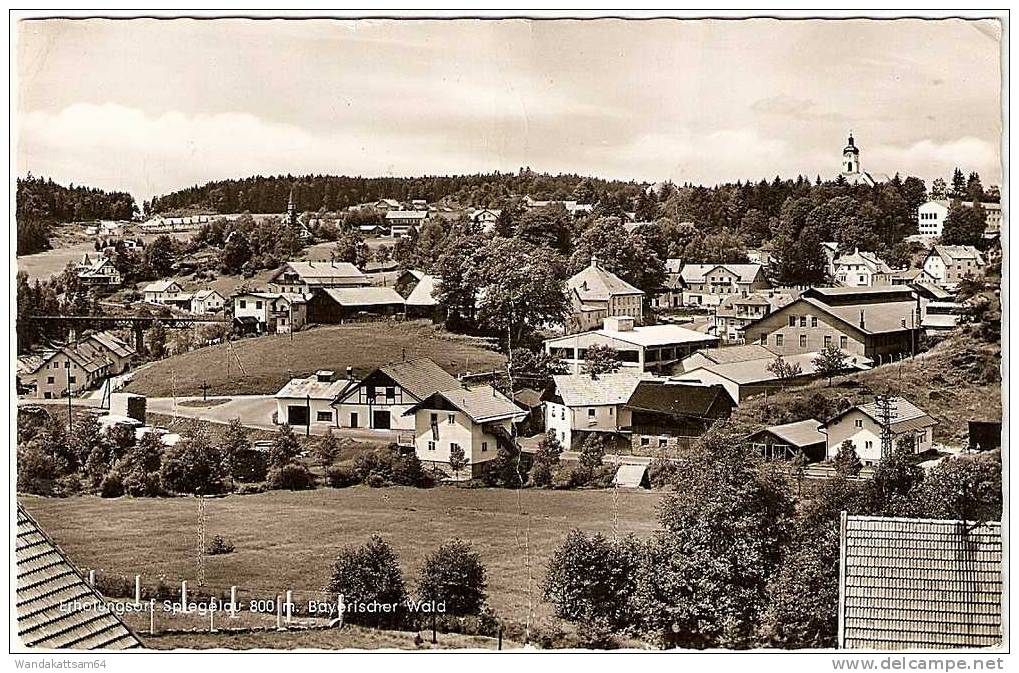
486 217
272 312
98 270
475 420
580 404
861 425
165 292
930 217
948 264
596 294
861 269
711 284
311 398
650 347
382 398
401 222
207 301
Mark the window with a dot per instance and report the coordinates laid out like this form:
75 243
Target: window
258 304
612 411
72 379
49 379
484 447
843 342
590 412
662 442
813 321
431 446
434 419
323 415
451 418
803 341
390 392
453 446
792 321
779 339
803 321
827 340
243 304
67 365
868 444
645 441
859 422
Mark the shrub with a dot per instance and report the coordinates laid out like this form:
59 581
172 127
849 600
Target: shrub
140 484
546 460
37 471
407 471
341 477
112 485
285 447
290 477
454 574
193 466
219 546
602 477
375 466
249 465
250 489
326 450
662 472
509 469
592 451
370 574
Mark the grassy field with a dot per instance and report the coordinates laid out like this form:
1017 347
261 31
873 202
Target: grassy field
270 361
954 382
289 539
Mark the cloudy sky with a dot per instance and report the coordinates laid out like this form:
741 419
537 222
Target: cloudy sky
151 106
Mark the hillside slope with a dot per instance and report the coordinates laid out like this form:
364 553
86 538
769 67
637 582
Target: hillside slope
956 381
270 361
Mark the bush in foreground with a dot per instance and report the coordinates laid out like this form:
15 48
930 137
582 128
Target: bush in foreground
290 477
454 574
371 574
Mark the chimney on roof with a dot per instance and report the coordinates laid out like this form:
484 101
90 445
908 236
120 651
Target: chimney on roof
324 376
594 261
350 373
863 323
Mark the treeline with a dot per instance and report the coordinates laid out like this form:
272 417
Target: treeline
269 194
42 202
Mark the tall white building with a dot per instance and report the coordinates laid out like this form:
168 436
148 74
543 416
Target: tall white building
930 217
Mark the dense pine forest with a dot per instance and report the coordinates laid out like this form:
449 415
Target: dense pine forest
260 194
42 202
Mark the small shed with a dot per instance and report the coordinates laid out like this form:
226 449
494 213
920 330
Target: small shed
631 476
783 442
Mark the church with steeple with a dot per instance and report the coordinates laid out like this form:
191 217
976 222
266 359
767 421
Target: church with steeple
851 170
291 221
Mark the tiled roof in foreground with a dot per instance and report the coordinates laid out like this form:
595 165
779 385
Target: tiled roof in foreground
919 583
56 607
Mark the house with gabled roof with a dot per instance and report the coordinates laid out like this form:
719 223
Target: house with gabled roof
919 584
878 323
596 294
381 399
474 419
862 426
666 413
402 222
62 369
98 270
862 269
56 606
736 312
577 405
948 264
788 440
336 304
310 399
167 292
305 277
207 301
710 284
270 312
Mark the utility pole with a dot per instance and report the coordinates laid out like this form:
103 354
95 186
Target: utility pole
885 409
307 426
205 391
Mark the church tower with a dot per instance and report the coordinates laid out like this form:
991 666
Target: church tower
851 157
291 210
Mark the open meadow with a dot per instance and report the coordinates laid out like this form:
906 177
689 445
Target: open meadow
289 539
261 365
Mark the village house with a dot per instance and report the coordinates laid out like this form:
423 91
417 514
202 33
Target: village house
381 399
931 217
746 378
670 294
475 420
596 294
710 284
578 405
310 399
649 347
97 270
831 251
207 301
60 371
862 426
168 293
948 264
670 414
485 217
270 312
334 305
421 302
164 224
879 323
861 269
787 441
736 312
401 222
107 346
306 277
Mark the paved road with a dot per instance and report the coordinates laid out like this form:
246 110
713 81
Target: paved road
254 411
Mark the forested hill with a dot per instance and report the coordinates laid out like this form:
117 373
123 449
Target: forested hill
42 200
260 194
